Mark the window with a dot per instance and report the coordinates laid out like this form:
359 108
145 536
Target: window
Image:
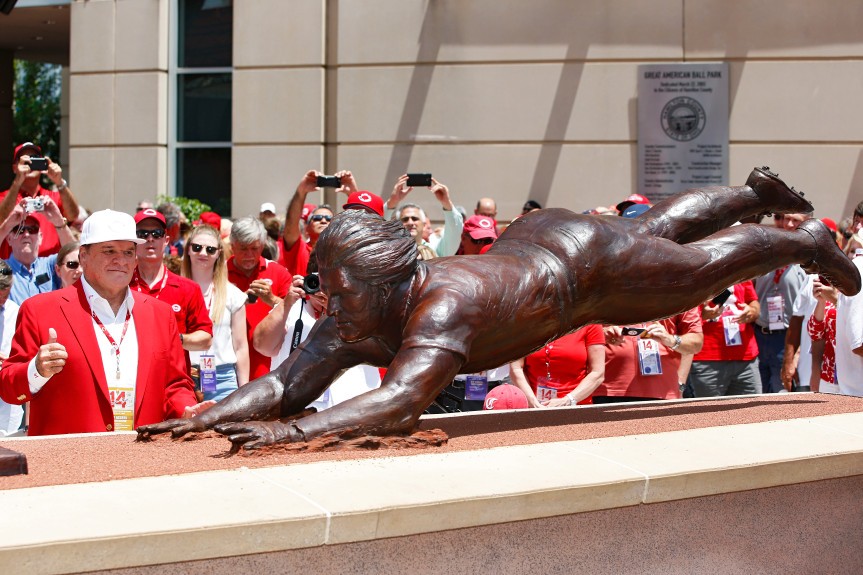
201 84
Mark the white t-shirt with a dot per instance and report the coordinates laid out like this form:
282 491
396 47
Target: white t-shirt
10 415
356 380
222 347
849 336
804 306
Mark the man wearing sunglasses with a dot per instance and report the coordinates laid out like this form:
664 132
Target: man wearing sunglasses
479 232
27 184
153 278
34 274
294 252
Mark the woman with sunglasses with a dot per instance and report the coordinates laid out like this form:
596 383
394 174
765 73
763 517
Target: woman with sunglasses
67 265
204 263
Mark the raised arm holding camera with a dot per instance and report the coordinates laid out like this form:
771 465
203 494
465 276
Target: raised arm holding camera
28 165
295 252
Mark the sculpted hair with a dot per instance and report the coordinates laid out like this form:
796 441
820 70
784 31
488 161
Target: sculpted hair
247 230
369 249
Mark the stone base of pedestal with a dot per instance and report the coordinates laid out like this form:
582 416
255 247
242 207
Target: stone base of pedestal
750 485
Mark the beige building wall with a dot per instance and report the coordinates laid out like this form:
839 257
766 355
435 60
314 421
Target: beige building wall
512 99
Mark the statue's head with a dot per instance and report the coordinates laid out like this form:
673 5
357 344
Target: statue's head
361 261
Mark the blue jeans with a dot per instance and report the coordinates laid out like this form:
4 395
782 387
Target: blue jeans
226 382
771 351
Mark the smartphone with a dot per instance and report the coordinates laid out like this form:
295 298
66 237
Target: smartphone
40 164
329 182
721 298
633 331
419 180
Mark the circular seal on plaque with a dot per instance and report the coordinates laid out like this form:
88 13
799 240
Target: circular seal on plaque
683 119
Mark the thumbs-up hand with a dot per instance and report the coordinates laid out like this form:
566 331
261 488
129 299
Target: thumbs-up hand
52 356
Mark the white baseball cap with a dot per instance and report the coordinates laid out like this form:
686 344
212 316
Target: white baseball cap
109 226
268 207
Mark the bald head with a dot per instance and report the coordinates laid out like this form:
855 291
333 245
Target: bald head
486 207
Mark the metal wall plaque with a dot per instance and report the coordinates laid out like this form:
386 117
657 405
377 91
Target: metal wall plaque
682 127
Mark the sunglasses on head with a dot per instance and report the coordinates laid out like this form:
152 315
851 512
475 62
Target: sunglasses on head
32 230
319 217
211 250
156 234
71 264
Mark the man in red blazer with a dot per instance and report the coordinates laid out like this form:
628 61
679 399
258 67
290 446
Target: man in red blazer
96 356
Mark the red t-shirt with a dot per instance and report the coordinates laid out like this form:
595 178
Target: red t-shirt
183 295
50 239
296 258
567 360
715 348
259 364
622 374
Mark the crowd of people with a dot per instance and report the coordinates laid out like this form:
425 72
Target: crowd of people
111 321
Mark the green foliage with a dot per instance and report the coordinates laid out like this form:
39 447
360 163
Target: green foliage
191 207
36 106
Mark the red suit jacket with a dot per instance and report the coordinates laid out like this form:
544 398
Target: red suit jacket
76 399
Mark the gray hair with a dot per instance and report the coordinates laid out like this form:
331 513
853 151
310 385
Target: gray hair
397 215
368 248
247 230
171 213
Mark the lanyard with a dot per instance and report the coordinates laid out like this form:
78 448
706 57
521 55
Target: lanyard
778 275
138 281
114 344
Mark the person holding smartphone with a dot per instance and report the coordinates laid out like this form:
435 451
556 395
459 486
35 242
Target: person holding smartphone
28 165
413 217
727 363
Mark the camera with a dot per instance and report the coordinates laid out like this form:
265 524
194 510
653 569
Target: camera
329 182
34 205
40 164
251 298
311 284
419 180
633 331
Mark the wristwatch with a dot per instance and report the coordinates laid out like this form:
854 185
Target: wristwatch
677 342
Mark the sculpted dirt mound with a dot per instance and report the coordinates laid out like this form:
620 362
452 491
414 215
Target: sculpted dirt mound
417 440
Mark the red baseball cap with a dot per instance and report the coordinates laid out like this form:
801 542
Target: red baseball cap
307 211
633 199
211 219
831 224
150 213
20 150
479 227
505 396
365 200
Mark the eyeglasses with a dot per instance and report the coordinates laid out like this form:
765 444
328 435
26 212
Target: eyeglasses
32 230
156 234
211 250
319 217
482 241
71 265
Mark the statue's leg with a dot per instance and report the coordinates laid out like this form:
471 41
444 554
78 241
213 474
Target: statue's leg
696 213
654 277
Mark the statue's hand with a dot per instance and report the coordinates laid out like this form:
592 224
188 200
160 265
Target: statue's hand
177 427
254 434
